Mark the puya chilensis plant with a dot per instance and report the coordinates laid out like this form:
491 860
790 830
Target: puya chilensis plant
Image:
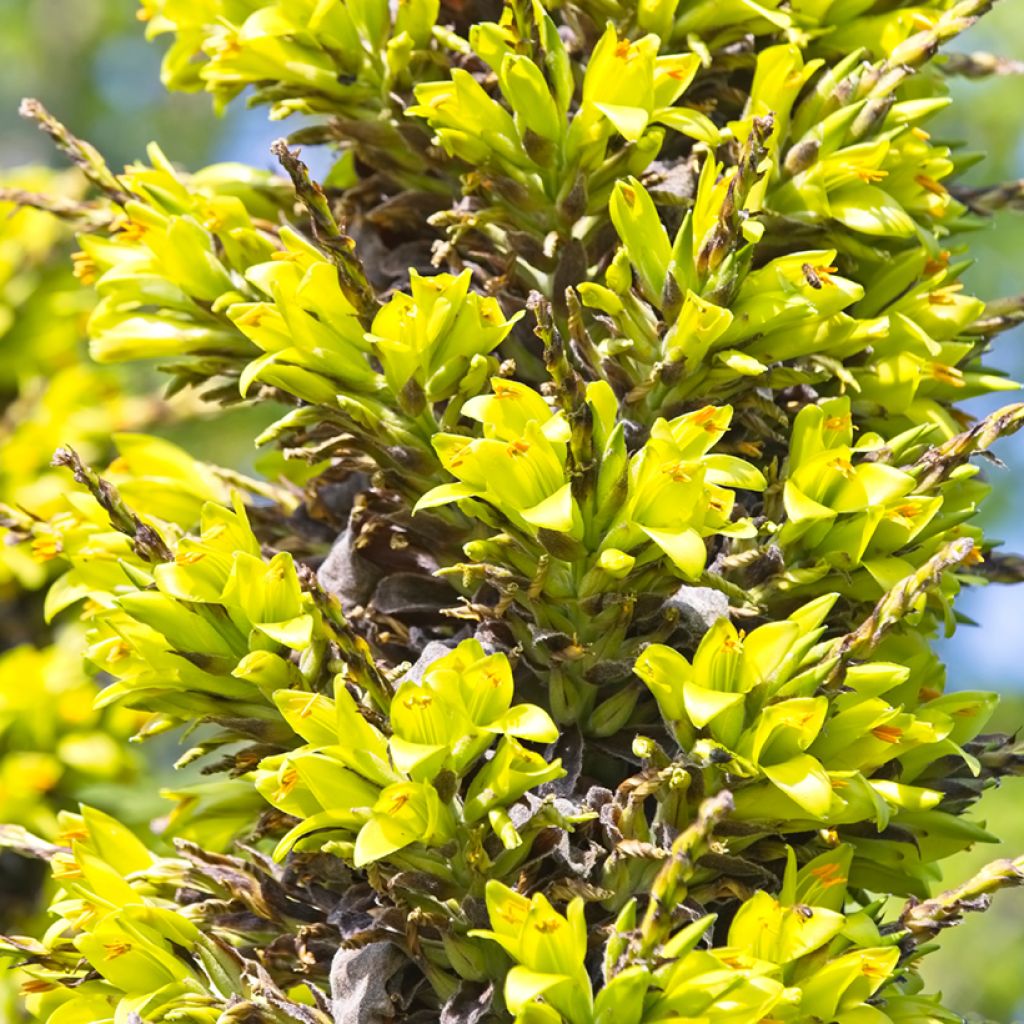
576 664
56 747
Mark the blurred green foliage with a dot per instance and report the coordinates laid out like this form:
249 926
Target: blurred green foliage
89 61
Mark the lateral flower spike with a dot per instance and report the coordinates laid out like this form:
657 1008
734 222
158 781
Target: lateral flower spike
81 154
339 247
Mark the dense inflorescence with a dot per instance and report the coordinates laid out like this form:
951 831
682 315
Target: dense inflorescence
573 663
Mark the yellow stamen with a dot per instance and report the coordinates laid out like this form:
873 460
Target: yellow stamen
929 184
46 548
945 296
829 875
513 913
72 834
118 651
289 780
974 557
548 925
84 268
81 917
422 700
399 802
63 865
132 231
843 466
870 174
887 733
817 277
947 375
37 985
708 419
937 263
838 422
307 708
677 473
905 511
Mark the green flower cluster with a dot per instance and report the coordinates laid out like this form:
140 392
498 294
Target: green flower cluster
576 665
758 707
117 910
793 956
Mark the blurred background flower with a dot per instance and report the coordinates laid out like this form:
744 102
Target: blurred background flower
88 62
